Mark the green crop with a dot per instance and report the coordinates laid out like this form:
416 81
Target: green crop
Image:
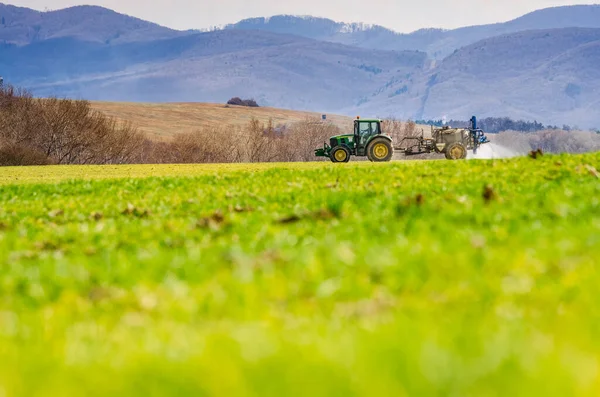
470 278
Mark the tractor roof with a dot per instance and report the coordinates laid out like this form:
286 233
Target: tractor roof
369 120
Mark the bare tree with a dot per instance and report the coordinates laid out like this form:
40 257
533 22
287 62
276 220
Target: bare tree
64 131
306 136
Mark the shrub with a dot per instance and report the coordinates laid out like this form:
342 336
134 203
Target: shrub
12 154
243 102
236 101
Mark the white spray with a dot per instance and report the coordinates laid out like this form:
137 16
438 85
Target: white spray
493 151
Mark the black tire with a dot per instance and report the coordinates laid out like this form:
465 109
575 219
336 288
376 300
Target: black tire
456 151
380 150
340 154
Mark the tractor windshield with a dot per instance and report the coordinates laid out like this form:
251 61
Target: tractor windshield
366 129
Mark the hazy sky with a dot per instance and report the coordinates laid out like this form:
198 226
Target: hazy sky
400 15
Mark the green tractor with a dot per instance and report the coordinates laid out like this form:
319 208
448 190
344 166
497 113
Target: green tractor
367 140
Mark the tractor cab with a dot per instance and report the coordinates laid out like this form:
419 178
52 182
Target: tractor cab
367 139
364 130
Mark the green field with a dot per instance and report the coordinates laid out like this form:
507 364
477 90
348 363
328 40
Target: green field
471 278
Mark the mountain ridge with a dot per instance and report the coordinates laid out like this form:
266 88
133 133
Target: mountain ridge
438 43
23 26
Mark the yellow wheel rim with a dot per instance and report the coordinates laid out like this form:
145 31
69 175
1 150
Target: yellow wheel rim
380 151
340 155
457 152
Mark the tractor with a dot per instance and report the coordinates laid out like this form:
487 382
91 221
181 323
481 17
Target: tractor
369 140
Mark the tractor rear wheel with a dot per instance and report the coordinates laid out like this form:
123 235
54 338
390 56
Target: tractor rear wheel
340 154
380 150
456 151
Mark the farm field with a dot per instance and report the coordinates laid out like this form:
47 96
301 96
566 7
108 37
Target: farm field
163 120
434 278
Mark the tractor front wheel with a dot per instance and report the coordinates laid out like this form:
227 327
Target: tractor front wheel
380 150
456 151
340 154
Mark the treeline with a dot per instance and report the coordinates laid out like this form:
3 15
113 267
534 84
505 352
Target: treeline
252 143
499 124
63 131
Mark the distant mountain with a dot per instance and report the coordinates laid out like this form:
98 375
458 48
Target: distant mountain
279 70
355 34
65 58
22 26
437 43
580 16
545 75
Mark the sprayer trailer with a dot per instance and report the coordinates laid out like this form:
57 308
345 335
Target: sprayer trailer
452 142
369 140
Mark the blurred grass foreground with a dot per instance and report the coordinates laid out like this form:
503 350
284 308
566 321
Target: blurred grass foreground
473 278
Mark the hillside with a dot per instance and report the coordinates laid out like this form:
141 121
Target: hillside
161 121
437 43
581 16
549 75
22 26
82 58
277 70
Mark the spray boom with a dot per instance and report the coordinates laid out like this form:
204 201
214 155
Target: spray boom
477 135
